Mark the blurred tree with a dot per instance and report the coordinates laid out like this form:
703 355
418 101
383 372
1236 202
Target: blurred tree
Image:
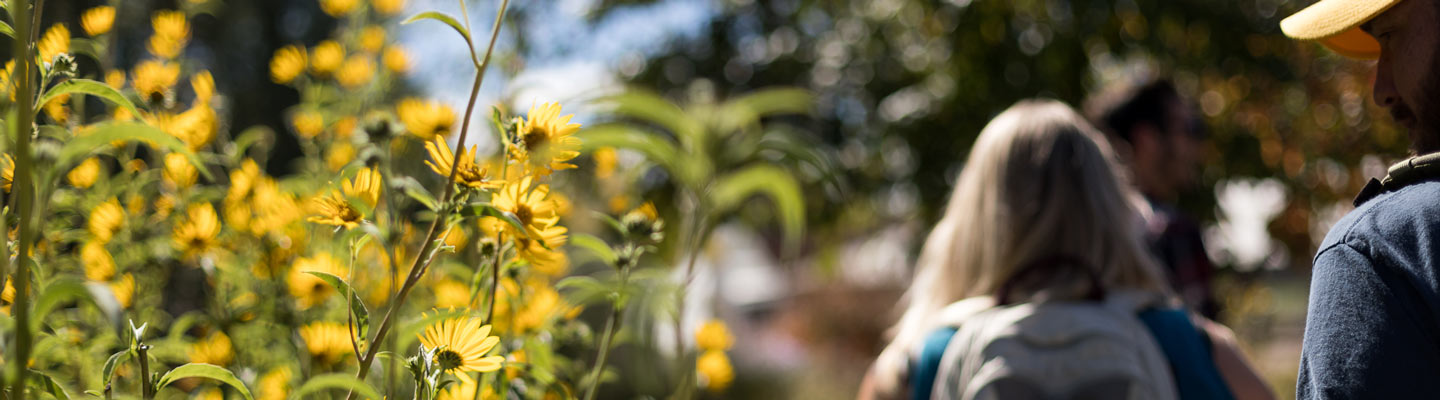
903 87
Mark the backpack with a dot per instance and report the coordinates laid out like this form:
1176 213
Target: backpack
1054 350
1093 347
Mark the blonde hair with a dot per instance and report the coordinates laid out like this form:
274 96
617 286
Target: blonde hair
1039 181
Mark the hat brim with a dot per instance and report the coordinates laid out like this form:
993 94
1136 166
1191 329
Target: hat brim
1335 24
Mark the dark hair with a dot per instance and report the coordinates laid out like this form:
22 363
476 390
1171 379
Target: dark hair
1118 110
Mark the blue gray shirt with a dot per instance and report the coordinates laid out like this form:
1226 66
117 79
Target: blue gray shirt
1373 329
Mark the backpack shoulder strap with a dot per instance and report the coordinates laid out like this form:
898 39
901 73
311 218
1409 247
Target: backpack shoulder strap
926 364
1188 352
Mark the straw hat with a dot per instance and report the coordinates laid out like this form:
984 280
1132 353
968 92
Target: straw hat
1336 24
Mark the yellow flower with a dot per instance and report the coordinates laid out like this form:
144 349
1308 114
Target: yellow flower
196 126
426 119
115 79
198 233
308 289
242 180
164 205
524 313
388 7
275 385
529 204
124 290
165 47
715 370
327 342
335 210
55 41
97 21
449 294
286 64
7 171
396 59
172 32
85 174
339 155
463 343
456 238
308 123
344 128
713 335
170 24
365 186
99 265
546 139
467 388
7 296
468 173
58 109
326 58
546 261
154 78
204 86
214 349
274 209
605 162
106 219
337 8
372 38
179 173
356 72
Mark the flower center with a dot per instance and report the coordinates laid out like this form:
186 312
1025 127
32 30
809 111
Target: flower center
536 138
524 214
449 360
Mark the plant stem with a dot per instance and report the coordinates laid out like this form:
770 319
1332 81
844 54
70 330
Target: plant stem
421 264
23 186
616 311
494 281
694 228
146 390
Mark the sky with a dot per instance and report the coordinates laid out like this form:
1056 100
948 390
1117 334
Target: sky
571 61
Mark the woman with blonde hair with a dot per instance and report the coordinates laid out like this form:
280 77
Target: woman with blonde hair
1039 216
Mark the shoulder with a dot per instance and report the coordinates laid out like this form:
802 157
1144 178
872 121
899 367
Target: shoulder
1398 225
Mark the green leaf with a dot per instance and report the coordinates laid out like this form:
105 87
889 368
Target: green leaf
748 109
442 17
357 306
336 381
102 135
48 385
596 246
114 361
7 30
731 190
415 190
90 87
650 107
256 135
585 290
689 169
209 371
105 300
86 46
480 210
57 293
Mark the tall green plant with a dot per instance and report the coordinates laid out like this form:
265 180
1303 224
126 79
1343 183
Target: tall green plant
717 156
